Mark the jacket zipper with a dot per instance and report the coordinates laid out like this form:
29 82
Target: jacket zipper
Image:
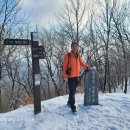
76 67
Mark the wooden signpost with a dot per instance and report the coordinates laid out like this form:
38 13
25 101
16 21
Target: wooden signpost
37 53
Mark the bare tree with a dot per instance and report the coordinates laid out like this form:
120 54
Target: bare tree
120 17
8 20
105 31
71 19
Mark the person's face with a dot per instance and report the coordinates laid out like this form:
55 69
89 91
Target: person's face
75 48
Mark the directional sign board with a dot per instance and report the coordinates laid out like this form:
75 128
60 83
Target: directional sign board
39 56
38 49
91 88
38 52
16 42
35 36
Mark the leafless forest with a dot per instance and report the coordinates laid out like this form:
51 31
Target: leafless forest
102 30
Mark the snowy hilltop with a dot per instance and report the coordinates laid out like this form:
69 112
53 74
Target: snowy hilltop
112 113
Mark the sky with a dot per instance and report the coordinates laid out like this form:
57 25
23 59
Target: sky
42 11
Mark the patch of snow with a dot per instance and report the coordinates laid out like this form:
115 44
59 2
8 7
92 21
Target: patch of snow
112 113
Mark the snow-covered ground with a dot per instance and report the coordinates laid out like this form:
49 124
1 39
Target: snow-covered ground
113 113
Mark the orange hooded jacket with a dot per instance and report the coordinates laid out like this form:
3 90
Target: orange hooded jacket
74 63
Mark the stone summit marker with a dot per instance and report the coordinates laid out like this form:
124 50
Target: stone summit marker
91 87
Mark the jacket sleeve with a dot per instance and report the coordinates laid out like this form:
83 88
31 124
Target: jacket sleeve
65 63
82 63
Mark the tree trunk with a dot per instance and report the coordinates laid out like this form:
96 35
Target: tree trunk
0 70
1 107
126 79
109 85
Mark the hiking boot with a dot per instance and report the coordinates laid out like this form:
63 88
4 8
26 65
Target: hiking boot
68 103
73 109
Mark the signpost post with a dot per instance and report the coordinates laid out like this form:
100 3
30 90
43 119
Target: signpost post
91 88
37 53
36 50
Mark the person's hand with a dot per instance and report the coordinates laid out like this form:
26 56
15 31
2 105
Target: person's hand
88 69
65 79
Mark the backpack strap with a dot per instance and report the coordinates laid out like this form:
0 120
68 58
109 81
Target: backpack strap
68 60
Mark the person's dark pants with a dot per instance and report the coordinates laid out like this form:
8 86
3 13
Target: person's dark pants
72 82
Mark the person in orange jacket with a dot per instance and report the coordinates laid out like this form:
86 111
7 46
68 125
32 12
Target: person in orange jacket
71 71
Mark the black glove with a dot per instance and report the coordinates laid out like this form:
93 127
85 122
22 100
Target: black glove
87 69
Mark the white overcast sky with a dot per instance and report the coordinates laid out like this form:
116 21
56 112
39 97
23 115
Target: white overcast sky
42 11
